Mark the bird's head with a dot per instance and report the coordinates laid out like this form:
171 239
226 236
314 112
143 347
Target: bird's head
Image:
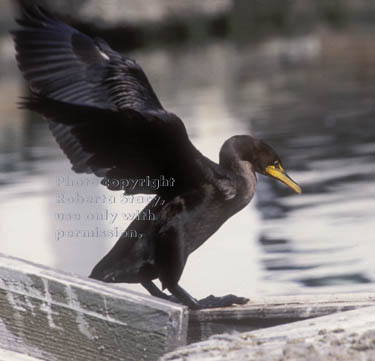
266 161
260 155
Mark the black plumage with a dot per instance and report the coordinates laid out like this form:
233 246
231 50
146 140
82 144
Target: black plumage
108 121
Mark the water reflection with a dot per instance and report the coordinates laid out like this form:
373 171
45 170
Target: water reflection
311 97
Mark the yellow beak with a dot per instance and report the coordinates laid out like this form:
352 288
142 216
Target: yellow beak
280 174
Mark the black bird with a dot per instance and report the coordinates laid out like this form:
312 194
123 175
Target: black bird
108 121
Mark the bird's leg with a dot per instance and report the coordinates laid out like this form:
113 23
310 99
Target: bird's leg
154 291
184 297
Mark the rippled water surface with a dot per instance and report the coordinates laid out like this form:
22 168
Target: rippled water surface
310 97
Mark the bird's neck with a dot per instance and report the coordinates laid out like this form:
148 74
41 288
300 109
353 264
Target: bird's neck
232 160
244 178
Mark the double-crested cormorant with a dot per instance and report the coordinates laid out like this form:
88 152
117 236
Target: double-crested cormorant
108 121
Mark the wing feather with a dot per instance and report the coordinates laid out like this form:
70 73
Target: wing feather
64 64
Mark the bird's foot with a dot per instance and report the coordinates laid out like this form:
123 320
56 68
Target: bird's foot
224 301
179 295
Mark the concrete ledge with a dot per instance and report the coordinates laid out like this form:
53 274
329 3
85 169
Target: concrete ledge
261 312
346 335
55 316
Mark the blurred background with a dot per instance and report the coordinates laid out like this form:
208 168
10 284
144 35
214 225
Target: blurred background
297 74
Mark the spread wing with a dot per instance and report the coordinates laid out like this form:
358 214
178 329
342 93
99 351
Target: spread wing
101 108
64 64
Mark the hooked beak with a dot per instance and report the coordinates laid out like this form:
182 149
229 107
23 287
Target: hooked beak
280 174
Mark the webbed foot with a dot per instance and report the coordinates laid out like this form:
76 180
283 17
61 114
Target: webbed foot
179 295
224 301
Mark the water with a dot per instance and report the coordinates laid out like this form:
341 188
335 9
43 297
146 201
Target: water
310 97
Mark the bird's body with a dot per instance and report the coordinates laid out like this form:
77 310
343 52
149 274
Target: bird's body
108 121
182 224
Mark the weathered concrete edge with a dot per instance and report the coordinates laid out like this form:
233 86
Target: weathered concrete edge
264 343
287 307
24 273
30 268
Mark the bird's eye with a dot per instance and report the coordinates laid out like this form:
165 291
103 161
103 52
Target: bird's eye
276 164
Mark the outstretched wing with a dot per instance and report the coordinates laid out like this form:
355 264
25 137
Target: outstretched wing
101 108
128 148
61 63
